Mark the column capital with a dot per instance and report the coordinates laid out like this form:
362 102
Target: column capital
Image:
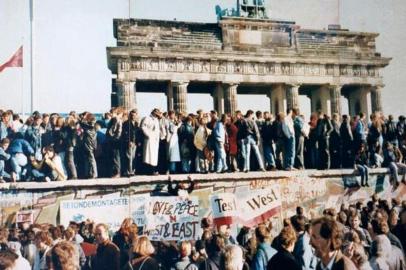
335 86
230 84
179 83
377 87
293 85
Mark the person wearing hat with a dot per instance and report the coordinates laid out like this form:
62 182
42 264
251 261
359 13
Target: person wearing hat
151 130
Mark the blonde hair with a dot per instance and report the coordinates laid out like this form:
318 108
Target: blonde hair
185 248
232 258
143 246
63 256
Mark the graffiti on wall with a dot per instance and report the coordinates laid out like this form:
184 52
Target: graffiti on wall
113 205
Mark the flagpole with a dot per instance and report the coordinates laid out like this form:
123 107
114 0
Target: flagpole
22 86
32 53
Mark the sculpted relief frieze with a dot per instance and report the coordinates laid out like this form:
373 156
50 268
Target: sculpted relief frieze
181 65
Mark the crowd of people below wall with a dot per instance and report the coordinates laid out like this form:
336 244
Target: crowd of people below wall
51 147
366 237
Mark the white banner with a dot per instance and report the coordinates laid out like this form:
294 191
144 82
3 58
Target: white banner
173 218
259 202
224 207
111 211
26 216
138 204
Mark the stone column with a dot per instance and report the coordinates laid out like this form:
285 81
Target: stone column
320 99
335 92
376 98
278 99
126 94
218 98
358 102
292 96
230 98
180 96
169 97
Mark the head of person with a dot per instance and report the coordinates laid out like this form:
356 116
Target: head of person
330 213
299 223
249 114
55 232
213 115
262 233
224 118
4 117
342 217
126 226
325 236
225 230
287 238
90 118
354 220
8 260
238 115
156 113
69 234
295 112
42 240
232 258
5 143
101 233
171 115
258 114
215 244
60 122
143 246
37 120
133 115
379 226
63 256
49 151
185 249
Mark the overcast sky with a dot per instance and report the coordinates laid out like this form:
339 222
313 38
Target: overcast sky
71 38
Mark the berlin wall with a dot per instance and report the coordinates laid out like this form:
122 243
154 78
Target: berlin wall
238 198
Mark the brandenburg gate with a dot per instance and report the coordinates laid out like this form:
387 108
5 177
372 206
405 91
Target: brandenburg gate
245 55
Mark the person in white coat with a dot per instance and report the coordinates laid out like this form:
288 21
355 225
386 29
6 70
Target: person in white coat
173 142
21 263
150 129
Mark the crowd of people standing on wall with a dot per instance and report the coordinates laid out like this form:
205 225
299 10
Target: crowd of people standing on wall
360 236
121 144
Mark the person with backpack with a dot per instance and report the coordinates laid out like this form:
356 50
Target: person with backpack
185 262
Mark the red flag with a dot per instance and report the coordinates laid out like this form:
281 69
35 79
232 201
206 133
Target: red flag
15 61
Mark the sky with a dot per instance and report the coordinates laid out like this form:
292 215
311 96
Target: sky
70 40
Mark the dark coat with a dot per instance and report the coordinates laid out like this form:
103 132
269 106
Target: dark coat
145 263
283 260
341 262
89 136
107 257
130 132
